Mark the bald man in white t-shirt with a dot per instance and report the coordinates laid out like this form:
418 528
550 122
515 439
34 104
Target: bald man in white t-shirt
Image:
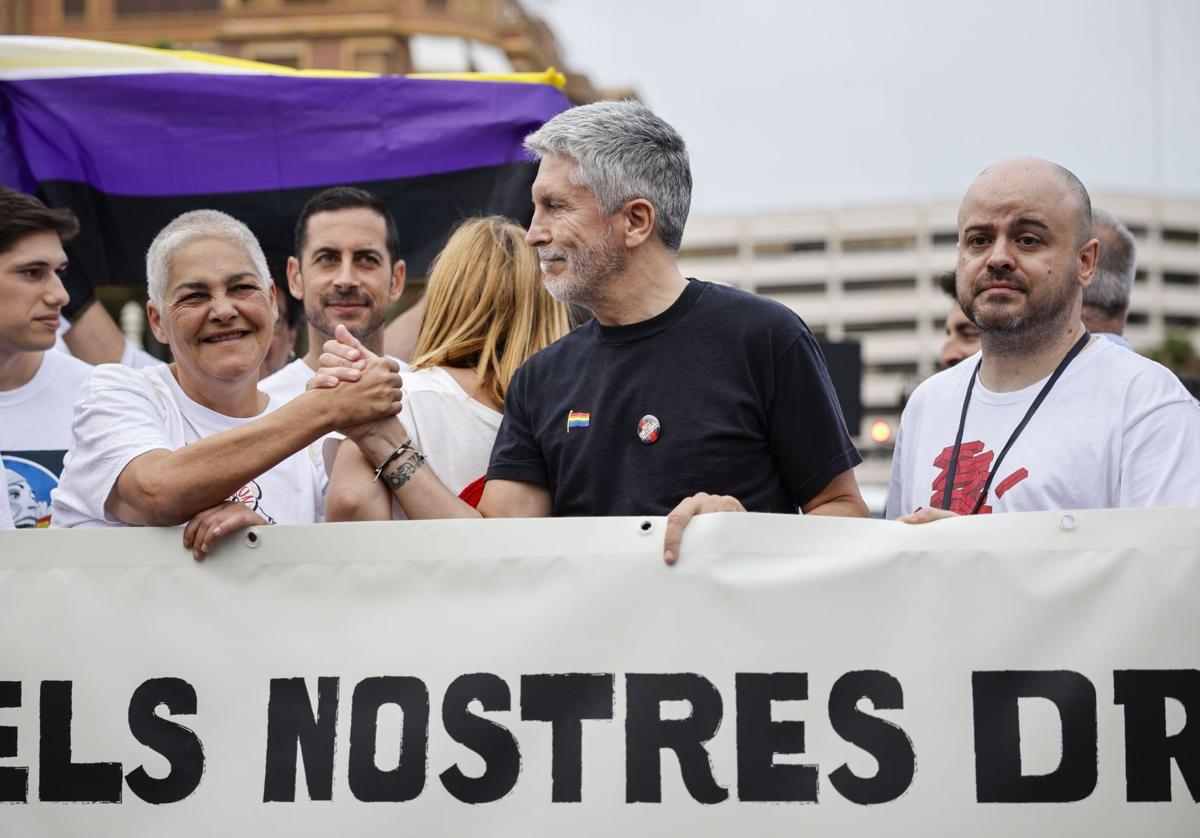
1045 415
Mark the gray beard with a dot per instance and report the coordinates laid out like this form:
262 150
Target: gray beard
590 293
590 275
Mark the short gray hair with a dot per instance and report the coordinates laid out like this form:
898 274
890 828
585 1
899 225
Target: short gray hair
623 151
199 224
1115 269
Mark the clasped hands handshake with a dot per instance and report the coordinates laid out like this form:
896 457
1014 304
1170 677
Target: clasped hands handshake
363 388
358 389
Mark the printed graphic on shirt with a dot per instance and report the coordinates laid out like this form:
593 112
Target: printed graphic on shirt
251 495
578 419
974 463
31 476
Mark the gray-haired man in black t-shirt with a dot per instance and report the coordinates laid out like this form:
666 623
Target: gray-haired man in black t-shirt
676 387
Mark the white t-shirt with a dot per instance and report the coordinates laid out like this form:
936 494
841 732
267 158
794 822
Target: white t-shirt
1116 430
36 435
287 382
134 356
1117 339
122 413
131 356
290 381
454 431
6 521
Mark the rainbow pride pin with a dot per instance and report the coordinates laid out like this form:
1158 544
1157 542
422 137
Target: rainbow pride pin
576 419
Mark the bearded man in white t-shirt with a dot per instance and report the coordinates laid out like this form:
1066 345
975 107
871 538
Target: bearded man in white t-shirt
1044 416
346 270
196 441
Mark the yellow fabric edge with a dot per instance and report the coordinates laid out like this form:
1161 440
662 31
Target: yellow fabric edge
260 66
110 54
548 76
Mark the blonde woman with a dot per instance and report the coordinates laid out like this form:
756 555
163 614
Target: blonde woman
487 312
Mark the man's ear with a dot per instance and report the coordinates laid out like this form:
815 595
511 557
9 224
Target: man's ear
1089 254
155 320
399 271
295 281
639 217
272 294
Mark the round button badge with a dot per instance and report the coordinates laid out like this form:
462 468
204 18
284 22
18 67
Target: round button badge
648 429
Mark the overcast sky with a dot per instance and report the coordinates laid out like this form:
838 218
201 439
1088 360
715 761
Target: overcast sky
802 103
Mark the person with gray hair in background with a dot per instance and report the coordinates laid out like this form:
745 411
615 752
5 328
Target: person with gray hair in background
195 441
1106 298
679 396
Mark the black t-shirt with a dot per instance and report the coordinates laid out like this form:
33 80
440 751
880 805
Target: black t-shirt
737 383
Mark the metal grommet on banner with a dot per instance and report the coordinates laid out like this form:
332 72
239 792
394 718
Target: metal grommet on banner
1067 523
646 527
252 538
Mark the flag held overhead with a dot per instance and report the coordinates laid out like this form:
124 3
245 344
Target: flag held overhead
130 137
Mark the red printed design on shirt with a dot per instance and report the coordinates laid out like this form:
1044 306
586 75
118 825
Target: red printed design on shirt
974 463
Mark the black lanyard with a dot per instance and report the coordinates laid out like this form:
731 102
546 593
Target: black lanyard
962 423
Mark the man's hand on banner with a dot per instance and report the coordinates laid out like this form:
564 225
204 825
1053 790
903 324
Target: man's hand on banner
687 509
925 514
202 532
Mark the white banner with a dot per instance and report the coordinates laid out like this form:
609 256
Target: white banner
1031 674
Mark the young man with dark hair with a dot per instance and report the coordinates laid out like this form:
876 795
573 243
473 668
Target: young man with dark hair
346 270
37 386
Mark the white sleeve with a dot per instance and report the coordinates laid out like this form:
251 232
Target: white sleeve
899 501
6 521
408 418
1160 451
136 357
895 495
320 456
117 418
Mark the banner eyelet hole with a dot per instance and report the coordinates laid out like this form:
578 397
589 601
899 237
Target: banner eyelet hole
646 527
1067 523
252 538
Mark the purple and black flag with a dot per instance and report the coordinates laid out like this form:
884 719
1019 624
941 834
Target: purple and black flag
130 137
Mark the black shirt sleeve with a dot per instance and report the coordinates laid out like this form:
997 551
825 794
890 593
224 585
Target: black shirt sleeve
808 436
516 454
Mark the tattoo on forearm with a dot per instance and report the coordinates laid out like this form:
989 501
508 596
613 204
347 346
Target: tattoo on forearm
403 472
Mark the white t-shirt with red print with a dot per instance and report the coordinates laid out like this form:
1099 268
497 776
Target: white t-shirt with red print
1116 430
123 413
